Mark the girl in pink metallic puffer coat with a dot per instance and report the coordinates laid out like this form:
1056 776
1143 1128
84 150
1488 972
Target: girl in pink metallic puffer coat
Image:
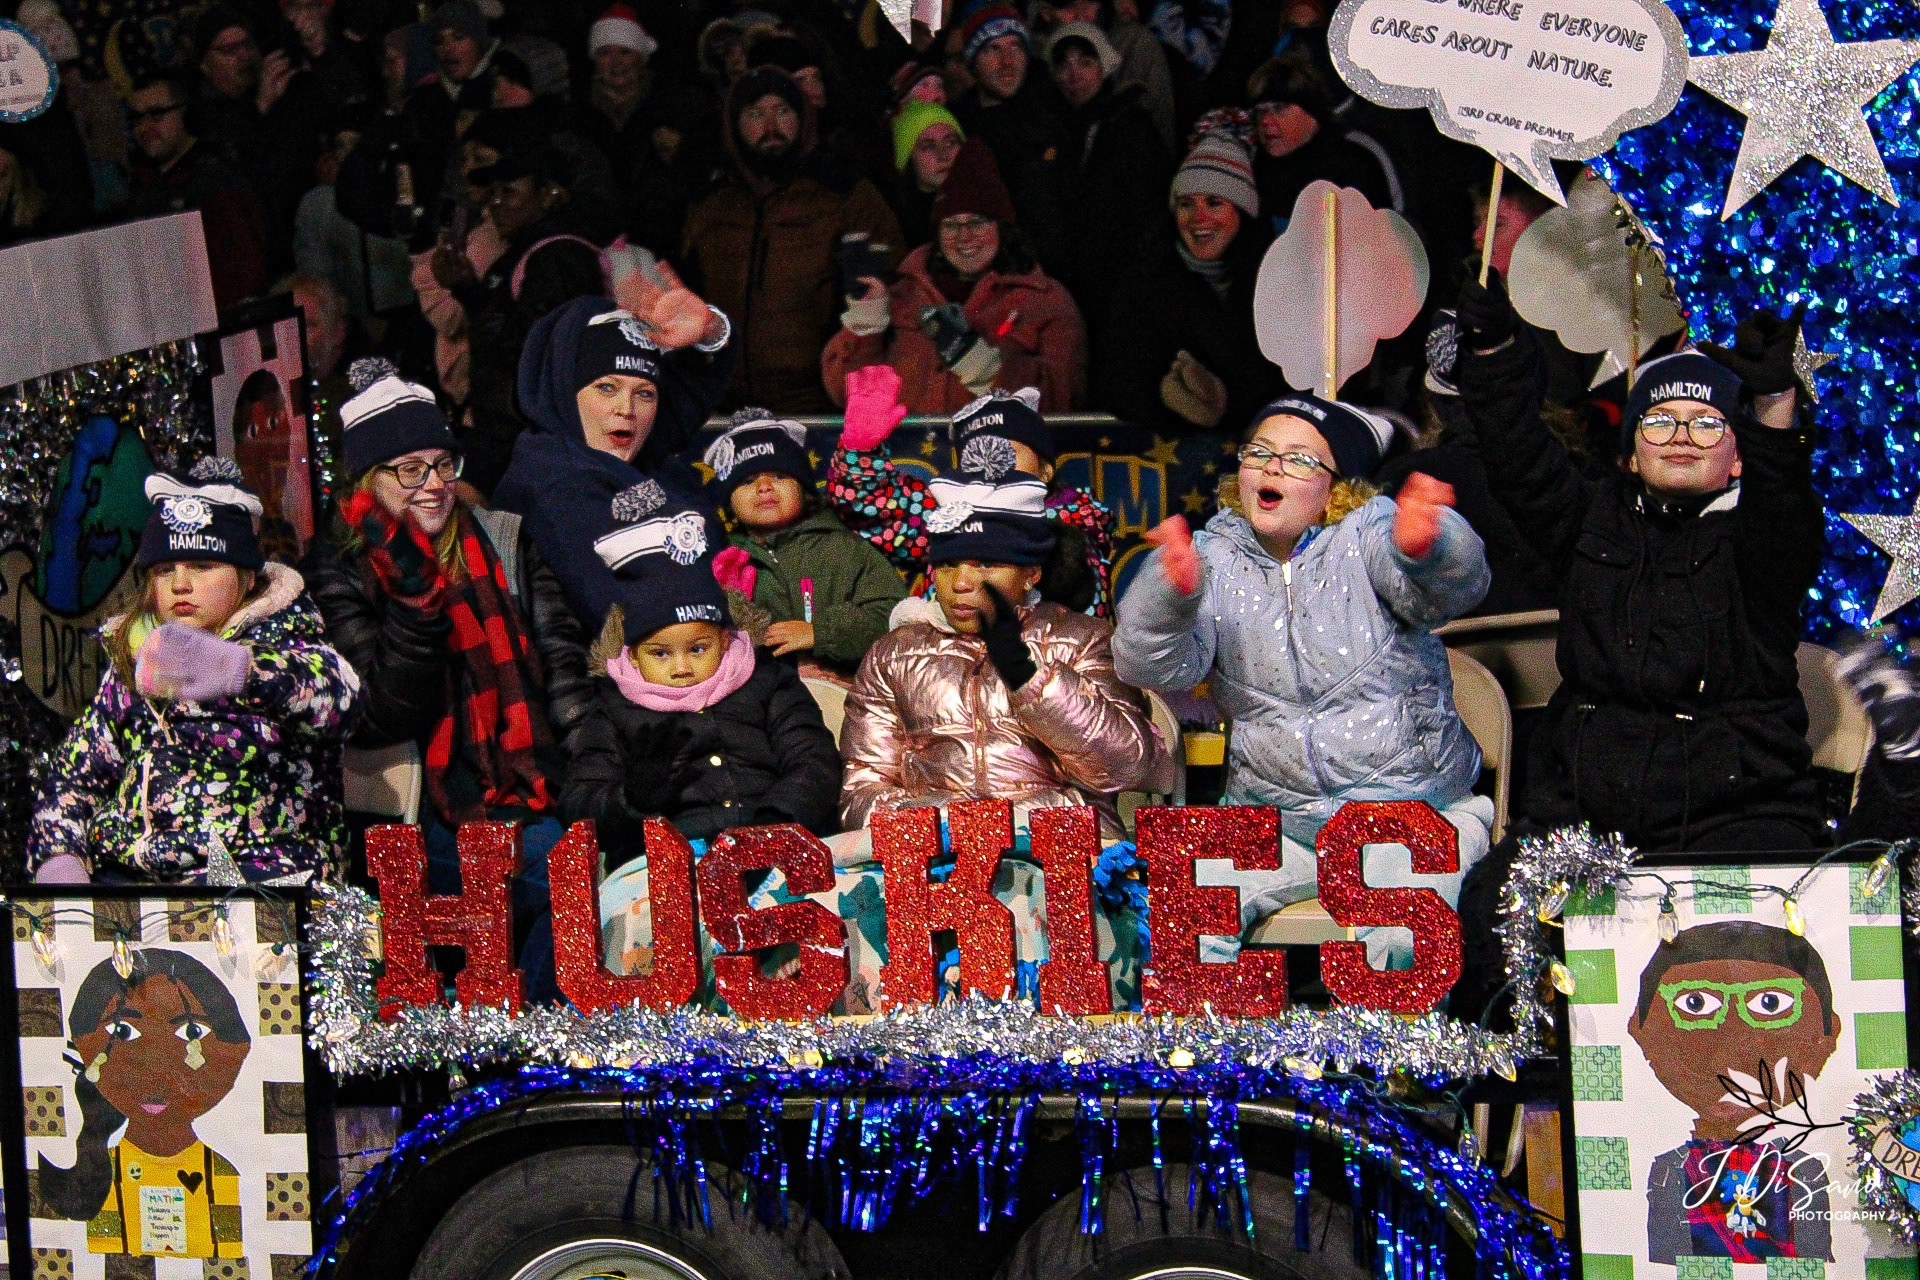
981 697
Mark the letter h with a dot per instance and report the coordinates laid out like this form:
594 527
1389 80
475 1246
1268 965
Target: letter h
478 919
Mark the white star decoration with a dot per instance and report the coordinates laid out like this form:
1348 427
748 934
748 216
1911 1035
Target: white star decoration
1803 96
1899 537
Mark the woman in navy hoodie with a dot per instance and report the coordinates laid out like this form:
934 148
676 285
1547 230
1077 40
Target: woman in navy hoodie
612 400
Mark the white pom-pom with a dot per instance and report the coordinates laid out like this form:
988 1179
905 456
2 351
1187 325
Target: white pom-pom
214 469
991 456
636 502
367 370
752 413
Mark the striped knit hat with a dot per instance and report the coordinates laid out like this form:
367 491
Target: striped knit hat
990 23
1219 166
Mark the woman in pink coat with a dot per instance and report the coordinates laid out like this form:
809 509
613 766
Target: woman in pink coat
970 313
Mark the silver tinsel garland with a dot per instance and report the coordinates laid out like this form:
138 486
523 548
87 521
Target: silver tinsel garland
347 1029
1891 1104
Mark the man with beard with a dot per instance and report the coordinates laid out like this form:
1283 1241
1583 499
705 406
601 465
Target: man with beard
762 248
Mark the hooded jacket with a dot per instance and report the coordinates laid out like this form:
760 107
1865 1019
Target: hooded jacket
763 251
1679 707
563 487
764 757
1027 315
854 588
1326 664
143 787
929 721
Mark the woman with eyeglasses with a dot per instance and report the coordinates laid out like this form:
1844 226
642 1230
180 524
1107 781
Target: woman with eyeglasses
462 638
1678 721
1308 604
971 313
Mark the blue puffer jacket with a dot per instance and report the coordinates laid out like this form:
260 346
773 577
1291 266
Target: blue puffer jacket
1326 665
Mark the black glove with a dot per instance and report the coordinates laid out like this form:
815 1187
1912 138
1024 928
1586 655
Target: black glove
1891 695
663 766
947 329
1006 648
1487 317
1762 351
395 547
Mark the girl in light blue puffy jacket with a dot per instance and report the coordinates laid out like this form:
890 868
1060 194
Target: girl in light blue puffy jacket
1309 604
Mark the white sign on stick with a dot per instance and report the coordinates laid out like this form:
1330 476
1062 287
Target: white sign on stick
1530 81
28 78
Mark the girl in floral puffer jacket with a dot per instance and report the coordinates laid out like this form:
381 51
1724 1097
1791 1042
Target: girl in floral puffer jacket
211 753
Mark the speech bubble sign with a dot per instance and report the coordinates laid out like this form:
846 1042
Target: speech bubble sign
1530 81
28 78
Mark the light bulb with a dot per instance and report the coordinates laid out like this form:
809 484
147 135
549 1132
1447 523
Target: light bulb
1555 901
1562 978
122 959
1796 923
1669 920
1877 876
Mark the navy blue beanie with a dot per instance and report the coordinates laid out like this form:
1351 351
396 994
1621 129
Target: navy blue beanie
614 341
207 516
757 441
1358 438
1011 415
662 562
389 416
1684 375
995 516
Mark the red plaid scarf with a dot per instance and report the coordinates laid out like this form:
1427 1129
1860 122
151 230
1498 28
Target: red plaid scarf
490 685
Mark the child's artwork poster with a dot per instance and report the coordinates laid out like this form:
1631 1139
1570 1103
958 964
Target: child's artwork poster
256 423
162 1076
1716 1056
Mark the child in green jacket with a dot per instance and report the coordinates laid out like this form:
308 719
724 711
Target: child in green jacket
827 591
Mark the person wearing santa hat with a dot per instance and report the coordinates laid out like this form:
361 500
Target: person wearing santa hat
623 80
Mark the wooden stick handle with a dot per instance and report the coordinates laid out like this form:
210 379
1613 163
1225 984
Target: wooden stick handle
1493 220
1330 373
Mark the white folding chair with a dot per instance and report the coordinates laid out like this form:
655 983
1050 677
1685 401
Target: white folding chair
384 781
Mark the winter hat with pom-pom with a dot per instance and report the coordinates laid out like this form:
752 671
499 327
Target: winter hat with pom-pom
1220 162
662 562
389 416
753 442
1007 415
208 515
989 512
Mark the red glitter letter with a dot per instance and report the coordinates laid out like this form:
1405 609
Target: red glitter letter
1176 980
478 919
905 841
738 928
1435 846
1066 843
573 870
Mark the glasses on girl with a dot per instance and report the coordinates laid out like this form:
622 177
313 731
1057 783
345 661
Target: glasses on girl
1293 464
1703 432
413 473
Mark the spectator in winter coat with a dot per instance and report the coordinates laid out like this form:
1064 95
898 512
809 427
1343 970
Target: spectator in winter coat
1143 59
462 636
1119 165
687 723
926 141
970 313
763 246
825 592
175 170
1299 141
211 752
1678 721
612 397
993 692
1016 111
1178 351
463 51
1308 605
891 508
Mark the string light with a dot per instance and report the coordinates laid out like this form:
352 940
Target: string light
1562 978
1796 923
1669 919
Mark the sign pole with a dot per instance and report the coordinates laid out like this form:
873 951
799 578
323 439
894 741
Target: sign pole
1330 295
1493 221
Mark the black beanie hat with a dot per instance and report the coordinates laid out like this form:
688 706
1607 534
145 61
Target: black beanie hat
1357 437
662 562
615 342
1684 375
389 416
207 516
757 84
753 442
996 516
1010 415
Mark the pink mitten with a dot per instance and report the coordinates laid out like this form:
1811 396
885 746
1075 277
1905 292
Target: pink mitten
62 868
873 407
179 661
733 570
1178 560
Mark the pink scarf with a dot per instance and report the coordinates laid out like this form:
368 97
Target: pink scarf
736 664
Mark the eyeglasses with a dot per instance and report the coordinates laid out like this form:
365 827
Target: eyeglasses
413 473
154 113
1771 1004
1293 464
1704 432
965 224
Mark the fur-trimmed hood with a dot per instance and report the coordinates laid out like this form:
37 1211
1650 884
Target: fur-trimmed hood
276 589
